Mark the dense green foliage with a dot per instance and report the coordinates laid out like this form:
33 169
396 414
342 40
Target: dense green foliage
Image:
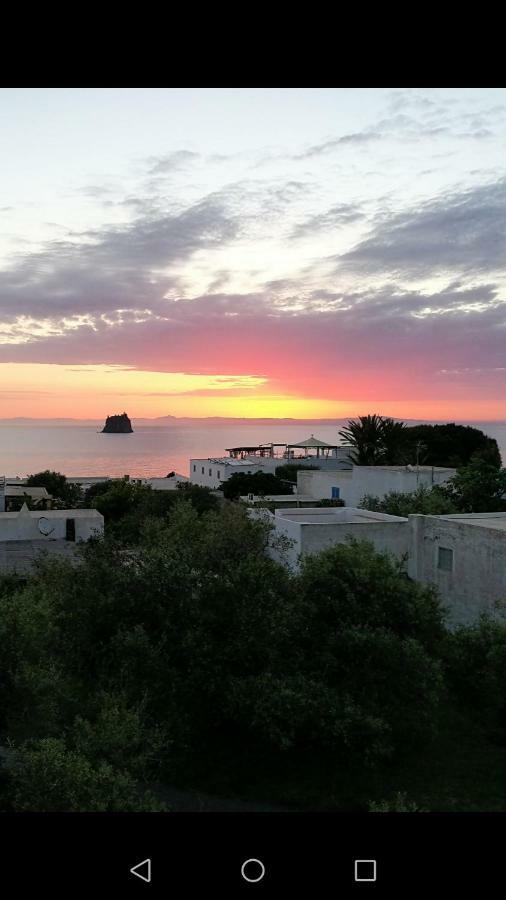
116 670
240 484
381 441
125 505
57 485
450 445
425 501
478 487
120 669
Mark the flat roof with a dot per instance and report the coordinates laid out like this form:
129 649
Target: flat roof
282 498
497 521
19 490
52 514
19 556
337 515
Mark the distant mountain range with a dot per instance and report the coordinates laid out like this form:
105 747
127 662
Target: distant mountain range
162 421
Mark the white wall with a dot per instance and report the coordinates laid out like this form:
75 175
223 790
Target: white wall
15 527
362 480
391 536
478 578
211 472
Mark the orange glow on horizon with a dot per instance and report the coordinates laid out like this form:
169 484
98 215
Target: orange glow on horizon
91 392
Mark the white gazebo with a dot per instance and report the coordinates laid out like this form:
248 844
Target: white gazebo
320 448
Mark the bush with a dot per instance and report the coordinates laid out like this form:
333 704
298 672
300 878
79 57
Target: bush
260 483
476 672
424 501
47 776
56 484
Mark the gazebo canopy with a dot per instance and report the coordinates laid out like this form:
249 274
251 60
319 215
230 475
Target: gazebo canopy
314 442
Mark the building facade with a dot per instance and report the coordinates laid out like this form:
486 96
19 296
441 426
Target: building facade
464 556
354 484
314 529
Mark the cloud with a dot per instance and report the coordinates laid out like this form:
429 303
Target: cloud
336 217
162 165
116 267
359 137
368 344
461 232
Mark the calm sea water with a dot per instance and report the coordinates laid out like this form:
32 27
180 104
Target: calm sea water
150 450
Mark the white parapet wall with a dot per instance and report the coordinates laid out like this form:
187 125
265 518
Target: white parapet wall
353 485
314 529
50 525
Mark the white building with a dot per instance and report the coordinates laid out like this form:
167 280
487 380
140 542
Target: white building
212 471
87 481
465 557
162 484
312 530
352 485
50 525
25 535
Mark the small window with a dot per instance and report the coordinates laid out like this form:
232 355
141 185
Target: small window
70 529
218 474
445 559
202 469
210 472
195 468
335 493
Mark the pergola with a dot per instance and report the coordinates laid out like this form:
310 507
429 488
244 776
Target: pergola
257 450
322 448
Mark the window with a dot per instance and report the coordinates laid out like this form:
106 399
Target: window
70 529
210 472
219 474
445 559
202 469
335 493
195 468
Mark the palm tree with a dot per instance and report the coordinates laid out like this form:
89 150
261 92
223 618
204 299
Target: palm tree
376 440
365 436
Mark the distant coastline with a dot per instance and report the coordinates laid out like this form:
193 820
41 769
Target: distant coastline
165 421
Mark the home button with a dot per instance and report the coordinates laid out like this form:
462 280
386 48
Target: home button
253 870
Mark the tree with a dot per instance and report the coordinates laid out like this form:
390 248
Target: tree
119 499
424 501
476 670
450 445
376 440
47 776
260 483
289 471
57 485
477 487
364 643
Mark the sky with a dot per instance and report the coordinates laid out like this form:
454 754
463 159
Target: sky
300 253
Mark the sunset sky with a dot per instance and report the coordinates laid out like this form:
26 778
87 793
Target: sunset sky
253 252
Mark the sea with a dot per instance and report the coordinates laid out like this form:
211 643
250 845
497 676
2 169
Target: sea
153 450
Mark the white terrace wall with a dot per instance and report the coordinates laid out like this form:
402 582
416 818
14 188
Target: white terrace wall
478 576
387 536
15 527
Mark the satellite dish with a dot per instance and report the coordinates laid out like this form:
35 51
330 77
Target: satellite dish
45 526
